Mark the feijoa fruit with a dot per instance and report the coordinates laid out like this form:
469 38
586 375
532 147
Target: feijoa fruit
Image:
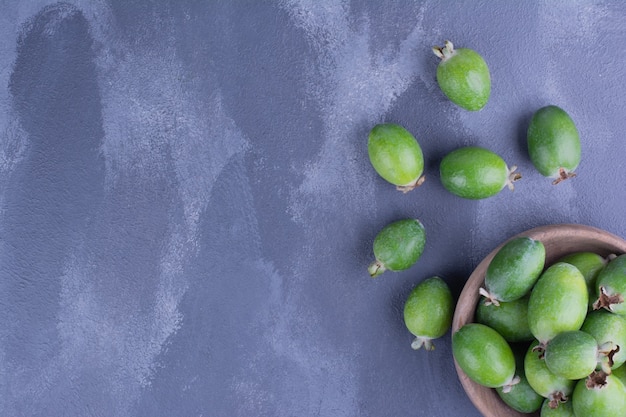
475 173
611 286
608 328
398 246
558 302
545 383
589 264
396 156
572 354
562 410
428 312
521 396
553 143
484 356
514 270
463 76
604 396
509 318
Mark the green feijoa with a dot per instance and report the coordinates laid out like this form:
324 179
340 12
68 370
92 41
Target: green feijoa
514 269
510 318
463 76
604 399
396 156
428 312
611 286
589 264
545 383
558 302
553 143
484 356
561 410
398 246
475 173
521 396
572 354
608 329
620 373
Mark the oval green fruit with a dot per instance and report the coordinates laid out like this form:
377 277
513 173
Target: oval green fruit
608 329
398 246
545 383
514 270
553 143
558 302
589 264
463 76
561 410
510 318
572 354
428 312
521 396
484 355
396 156
599 400
611 286
475 173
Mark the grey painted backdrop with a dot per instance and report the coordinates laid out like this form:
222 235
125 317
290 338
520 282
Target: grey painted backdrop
187 208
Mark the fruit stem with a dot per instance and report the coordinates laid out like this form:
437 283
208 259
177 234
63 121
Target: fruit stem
489 298
512 177
606 300
563 175
411 186
596 380
541 349
556 398
376 268
606 351
420 341
444 52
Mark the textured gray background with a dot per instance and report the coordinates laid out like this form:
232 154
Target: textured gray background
187 208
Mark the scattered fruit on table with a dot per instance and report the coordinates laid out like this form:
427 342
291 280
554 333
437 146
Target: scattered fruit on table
396 156
463 76
475 173
553 143
428 312
398 246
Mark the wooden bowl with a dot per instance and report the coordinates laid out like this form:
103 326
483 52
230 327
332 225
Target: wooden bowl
559 240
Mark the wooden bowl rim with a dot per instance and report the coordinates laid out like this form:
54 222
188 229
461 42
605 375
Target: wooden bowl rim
486 400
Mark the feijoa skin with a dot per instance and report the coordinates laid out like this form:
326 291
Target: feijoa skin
514 270
589 264
553 143
475 173
398 246
521 396
545 383
608 328
572 354
484 356
396 156
558 302
620 373
611 286
428 312
562 410
463 76
605 400
509 318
